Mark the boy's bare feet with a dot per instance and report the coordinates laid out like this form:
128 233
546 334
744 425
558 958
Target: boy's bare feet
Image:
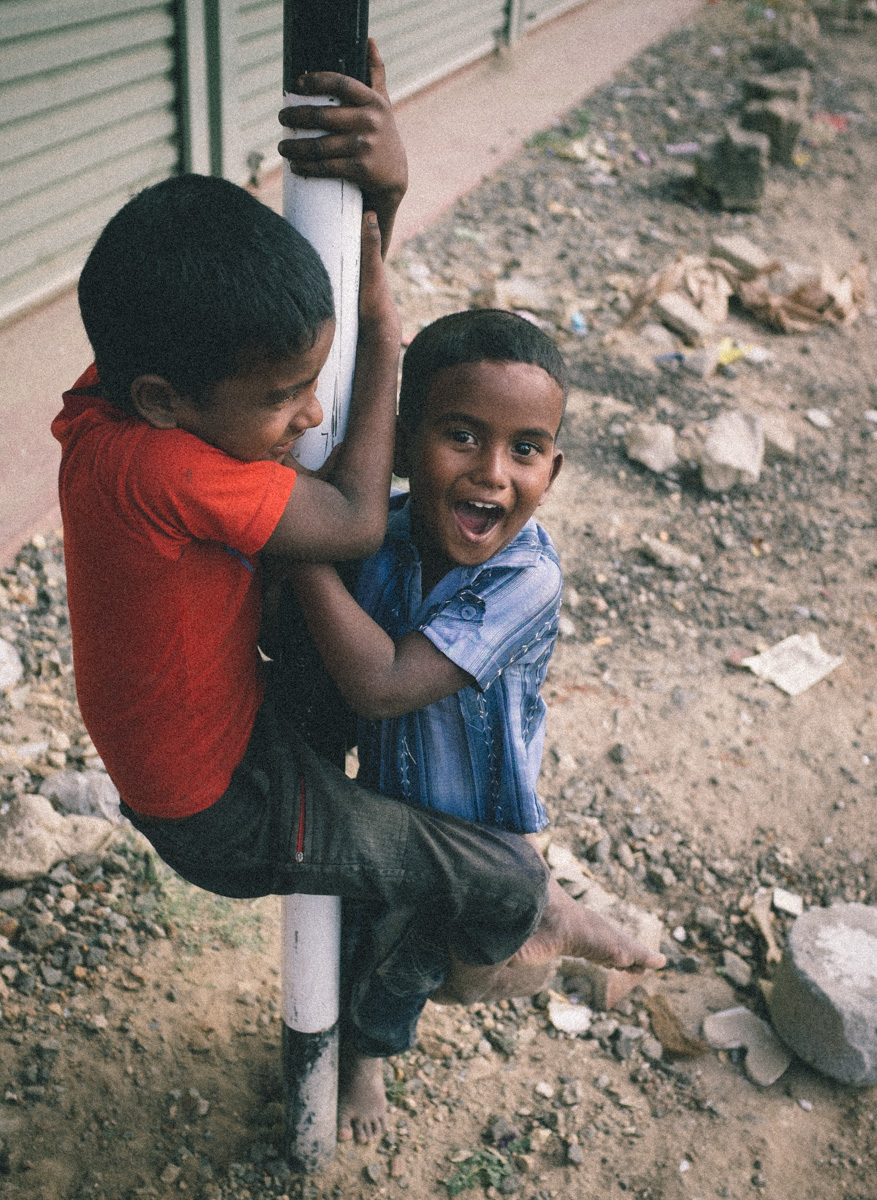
362 1102
572 929
568 929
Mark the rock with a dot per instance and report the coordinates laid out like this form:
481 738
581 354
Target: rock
734 169
626 1040
780 121
735 1028
787 902
653 445
747 258
11 669
574 1019
684 317
733 451
702 362
84 793
779 440
672 558
736 969
824 1001
819 418
33 837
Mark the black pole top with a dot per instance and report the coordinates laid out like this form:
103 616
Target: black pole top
324 35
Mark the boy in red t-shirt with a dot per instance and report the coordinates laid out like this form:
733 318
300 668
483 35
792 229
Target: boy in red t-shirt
210 319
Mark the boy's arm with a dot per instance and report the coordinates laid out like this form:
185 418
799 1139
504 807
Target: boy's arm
346 517
378 677
360 141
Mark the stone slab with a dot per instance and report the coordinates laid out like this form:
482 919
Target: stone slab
824 1000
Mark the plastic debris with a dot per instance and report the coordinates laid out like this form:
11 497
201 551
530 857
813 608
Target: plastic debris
730 352
794 664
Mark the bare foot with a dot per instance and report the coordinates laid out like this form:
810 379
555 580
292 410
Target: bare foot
572 929
362 1103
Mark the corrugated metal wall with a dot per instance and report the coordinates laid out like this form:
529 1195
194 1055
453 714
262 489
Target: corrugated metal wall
99 98
421 41
87 116
259 76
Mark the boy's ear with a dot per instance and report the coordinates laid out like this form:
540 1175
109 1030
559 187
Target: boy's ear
555 471
402 451
156 401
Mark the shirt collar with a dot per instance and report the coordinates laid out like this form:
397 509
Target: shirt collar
523 551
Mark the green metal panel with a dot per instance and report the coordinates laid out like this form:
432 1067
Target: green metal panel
423 40
88 116
260 84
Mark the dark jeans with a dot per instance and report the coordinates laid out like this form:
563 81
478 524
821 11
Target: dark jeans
291 822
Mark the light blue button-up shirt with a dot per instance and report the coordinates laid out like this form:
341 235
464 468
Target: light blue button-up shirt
477 753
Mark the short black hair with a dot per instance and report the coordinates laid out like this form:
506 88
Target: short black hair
476 335
190 277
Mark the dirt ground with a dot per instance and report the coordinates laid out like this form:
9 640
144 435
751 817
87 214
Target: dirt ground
681 782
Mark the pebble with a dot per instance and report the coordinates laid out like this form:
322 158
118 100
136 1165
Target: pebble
735 969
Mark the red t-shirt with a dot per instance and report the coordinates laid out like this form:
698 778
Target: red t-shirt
160 530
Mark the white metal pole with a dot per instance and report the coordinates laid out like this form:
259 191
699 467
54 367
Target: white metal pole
328 212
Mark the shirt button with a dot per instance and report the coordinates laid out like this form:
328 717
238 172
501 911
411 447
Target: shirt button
468 612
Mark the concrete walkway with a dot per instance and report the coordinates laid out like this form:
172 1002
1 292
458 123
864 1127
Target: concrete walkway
456 133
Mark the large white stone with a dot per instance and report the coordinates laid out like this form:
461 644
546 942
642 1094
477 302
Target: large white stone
33 837
824 1000
83 793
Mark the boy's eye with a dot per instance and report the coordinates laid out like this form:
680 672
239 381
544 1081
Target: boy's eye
526 449
463 436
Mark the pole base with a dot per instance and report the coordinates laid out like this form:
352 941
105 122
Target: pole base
310 1097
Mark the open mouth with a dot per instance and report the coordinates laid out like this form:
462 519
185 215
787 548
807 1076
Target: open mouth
476 518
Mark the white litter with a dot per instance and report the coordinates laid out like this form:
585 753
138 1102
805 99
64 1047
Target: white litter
794 664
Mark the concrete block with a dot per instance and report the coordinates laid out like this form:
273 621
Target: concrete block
678 313
824 1000
747 258
733 170
780 121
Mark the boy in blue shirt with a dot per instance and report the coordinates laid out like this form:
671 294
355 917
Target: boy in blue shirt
444 649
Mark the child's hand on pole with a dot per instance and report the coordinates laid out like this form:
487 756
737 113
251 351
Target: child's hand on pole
378 315
360 140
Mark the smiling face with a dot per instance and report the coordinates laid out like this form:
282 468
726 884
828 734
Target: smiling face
481 461
259 413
